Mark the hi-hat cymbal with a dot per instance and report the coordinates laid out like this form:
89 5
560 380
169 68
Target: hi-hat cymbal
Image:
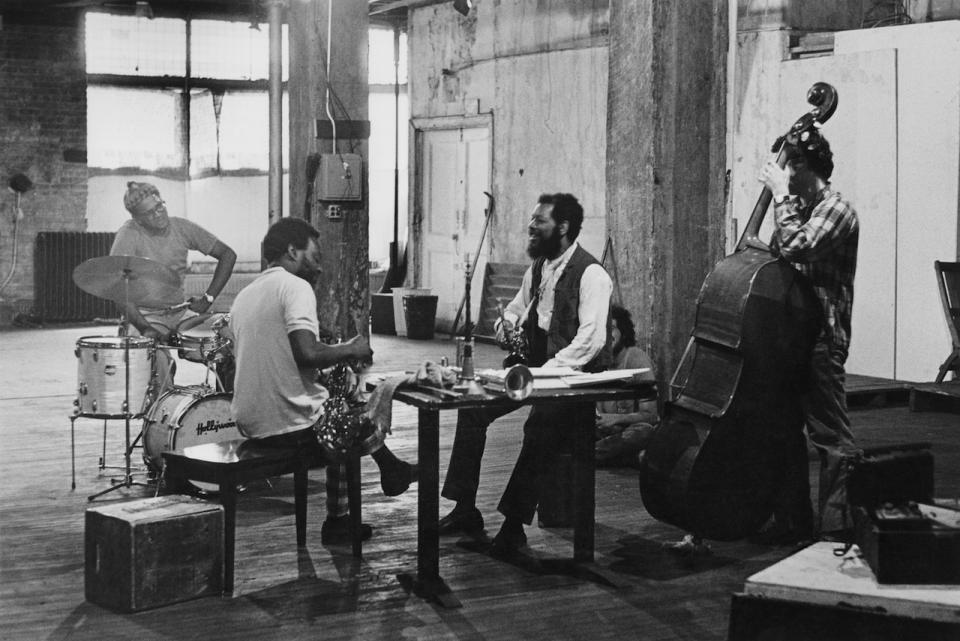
128 279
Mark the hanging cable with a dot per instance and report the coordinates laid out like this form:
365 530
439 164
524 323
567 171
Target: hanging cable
333 122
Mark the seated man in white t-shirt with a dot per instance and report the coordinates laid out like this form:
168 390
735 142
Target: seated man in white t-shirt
277 397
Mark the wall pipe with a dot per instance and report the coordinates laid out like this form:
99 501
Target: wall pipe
275 17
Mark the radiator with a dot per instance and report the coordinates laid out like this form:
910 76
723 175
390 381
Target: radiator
55 255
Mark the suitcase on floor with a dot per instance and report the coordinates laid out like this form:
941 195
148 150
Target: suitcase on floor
151 552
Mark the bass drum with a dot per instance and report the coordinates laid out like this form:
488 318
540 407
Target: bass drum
186 416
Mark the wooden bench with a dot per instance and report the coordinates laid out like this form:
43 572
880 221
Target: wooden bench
229 464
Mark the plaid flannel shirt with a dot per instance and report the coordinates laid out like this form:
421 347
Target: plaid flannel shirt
820 240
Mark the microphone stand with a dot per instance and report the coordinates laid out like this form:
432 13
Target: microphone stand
467 383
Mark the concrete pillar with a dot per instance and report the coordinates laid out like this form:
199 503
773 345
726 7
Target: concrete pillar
666 157
343 289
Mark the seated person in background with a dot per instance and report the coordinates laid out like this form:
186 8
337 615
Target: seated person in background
277 397
623 427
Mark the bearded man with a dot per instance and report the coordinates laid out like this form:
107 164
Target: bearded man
562 308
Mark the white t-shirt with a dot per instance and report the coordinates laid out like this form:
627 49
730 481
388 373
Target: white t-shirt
272 395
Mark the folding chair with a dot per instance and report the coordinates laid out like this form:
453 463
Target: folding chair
948 279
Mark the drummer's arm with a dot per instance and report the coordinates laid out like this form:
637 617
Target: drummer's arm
226 258
142 324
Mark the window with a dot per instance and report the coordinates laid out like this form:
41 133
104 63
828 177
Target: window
145 112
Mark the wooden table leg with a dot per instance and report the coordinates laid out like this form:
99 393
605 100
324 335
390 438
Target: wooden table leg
300 505
427 583
228 499
353 500
584 498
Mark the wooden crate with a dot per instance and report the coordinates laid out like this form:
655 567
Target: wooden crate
151 552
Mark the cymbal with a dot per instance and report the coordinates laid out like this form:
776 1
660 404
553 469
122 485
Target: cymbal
128 279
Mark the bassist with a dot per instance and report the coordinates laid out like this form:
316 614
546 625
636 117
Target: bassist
818 232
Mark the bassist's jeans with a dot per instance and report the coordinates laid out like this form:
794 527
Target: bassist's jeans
828 427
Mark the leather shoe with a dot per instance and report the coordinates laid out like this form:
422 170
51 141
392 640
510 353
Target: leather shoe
399 479
507 543
336 531
467 521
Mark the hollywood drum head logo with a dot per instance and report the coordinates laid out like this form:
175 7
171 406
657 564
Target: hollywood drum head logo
213 426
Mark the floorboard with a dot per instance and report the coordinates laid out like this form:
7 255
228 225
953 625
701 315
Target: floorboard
322 592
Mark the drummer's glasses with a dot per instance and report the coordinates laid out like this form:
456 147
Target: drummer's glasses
158 210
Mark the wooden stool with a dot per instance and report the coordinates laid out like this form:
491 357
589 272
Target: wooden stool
229 464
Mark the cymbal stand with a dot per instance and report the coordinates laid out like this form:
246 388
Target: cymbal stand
128 475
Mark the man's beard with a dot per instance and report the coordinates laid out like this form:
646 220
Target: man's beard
309 275
548 247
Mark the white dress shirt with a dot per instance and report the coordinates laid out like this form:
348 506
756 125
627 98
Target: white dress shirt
595 290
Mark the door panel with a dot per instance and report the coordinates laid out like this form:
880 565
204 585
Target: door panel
456 173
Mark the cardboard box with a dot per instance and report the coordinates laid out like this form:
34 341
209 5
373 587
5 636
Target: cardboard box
151 552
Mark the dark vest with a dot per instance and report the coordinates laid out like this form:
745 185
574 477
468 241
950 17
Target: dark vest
565 320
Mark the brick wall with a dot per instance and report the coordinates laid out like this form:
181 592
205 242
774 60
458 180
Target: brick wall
42 135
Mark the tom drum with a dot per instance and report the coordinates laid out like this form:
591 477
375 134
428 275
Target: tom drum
102 389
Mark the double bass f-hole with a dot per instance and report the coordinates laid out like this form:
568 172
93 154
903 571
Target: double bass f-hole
805 131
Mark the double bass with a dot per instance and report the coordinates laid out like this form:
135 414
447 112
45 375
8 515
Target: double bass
715 464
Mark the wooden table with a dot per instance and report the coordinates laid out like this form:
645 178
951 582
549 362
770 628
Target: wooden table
427 582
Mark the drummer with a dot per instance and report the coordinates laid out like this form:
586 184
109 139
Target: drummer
152 233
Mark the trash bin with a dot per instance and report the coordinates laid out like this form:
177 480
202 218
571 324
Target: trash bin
381 314
400 323
420 313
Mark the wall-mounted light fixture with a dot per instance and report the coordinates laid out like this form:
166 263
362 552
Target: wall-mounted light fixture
463 6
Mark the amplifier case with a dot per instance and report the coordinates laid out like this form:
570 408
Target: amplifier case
151 552
908 551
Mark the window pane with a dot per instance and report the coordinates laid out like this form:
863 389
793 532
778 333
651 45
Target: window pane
381 57
232 50
245 130
135 46
133 128
203 131
381 168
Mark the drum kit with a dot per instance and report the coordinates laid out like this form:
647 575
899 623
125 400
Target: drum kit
117 376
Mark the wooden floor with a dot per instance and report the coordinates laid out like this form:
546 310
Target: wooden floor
322 593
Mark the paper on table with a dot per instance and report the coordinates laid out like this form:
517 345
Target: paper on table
598 378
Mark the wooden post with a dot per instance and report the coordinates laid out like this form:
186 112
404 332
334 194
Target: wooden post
666 156
316 48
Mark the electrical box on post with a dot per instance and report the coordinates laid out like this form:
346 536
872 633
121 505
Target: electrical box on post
340 177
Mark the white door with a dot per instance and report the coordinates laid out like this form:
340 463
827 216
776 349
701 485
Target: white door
456 173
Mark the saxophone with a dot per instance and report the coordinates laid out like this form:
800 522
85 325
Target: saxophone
515 340
344 427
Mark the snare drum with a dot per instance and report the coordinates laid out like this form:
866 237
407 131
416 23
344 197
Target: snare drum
204 342
102 390
186 416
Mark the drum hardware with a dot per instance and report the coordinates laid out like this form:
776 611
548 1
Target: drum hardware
124 280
